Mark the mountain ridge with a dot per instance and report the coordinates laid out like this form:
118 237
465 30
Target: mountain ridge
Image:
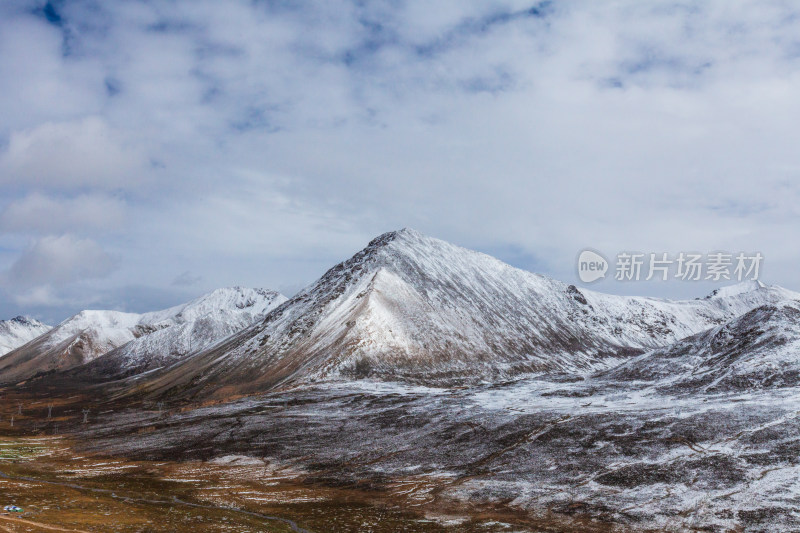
90 334
412 307
19 330
755 350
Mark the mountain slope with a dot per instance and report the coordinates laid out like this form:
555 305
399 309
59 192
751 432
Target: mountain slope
198 325
412 307
651 322
760 349
18 331
78 339
153 337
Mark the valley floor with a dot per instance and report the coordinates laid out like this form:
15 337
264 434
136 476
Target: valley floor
375 457
59 489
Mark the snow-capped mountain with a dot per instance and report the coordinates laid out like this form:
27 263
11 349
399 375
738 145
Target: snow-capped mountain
756 350
413 307
74 341
196 326
153 337
651 322
19 330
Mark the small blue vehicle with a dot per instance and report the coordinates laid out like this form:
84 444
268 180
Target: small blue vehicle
12 509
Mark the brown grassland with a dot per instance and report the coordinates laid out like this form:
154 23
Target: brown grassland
61 488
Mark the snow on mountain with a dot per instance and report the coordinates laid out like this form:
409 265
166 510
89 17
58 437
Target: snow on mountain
74 341
750 286
88 335
192 327
95 331
19 330
652 322
413 307
756 350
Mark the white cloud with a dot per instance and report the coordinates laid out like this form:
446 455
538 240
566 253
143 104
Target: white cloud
68 155
38 84
282 136
186 279
41 214
43 296
59 260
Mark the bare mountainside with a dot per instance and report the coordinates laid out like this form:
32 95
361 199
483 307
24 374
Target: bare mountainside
18 331
411 307
119 342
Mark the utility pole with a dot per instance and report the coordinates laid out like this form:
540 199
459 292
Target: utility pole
50 411
86 416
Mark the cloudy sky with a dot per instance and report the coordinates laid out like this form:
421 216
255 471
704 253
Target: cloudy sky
152 150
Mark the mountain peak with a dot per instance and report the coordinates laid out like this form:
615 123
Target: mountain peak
234 291
753 350
410 233
415 257
230 299
137 341
19 330
405 234
22 319
738 288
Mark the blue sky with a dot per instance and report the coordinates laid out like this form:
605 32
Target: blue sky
153 150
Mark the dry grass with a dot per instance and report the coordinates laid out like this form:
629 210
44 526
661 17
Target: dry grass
64 491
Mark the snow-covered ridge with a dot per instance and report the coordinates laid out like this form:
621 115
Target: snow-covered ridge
739 288
218 303
428 296
112 329
409 306
406 307
108 329
19 330
191 327
654 322
90 334
756 350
